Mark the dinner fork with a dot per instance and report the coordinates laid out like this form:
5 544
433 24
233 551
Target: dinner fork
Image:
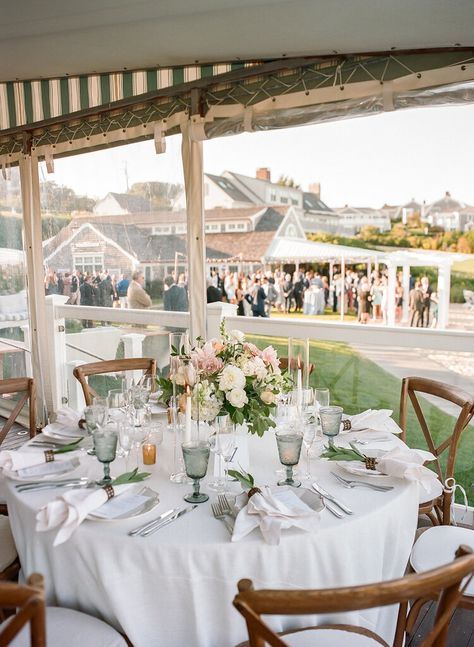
225 505
351 484
222 516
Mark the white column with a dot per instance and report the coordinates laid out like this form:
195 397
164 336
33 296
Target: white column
392 277
215 313
192 154
30 197
444 288
56 340
27 342
75 393
406 293
342 297
133 347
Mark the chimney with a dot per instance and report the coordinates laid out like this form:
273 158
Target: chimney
263 173
315 188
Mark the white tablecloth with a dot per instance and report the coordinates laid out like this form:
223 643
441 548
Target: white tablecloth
175 588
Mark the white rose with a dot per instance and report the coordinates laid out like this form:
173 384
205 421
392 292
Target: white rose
260 368
237 398
179 376
190 374
268 397
231 378
248 367
237 336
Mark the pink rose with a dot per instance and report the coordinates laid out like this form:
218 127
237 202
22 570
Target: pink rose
269 356
252 349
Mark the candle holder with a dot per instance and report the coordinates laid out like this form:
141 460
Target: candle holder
298 362
149 454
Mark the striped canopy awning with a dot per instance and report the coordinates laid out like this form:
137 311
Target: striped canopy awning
64 115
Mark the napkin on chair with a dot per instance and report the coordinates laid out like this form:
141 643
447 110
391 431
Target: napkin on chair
373 420
273 512
70 509
406 463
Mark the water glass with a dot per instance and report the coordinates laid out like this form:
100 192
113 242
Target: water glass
217 485
330 421
309 433
105 443
178 475
196 459
95 416
226 446
321 397
126 440
116 401
289 450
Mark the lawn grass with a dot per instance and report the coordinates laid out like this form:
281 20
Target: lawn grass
356 384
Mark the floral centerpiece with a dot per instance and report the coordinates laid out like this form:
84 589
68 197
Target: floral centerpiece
229 376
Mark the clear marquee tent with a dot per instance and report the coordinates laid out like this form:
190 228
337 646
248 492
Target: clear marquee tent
78 76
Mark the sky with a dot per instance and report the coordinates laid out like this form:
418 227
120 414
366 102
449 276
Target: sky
388 158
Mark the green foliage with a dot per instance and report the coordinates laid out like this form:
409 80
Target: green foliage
333 453
70 447
62 199
161 195
245 478
131 477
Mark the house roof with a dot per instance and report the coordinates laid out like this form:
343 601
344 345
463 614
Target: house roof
311 202
132 203
445 205
228 187
252 245
270 220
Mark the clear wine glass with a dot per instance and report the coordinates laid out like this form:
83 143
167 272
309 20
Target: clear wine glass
126 438
196 459
95 416
309 433
105 443
226 446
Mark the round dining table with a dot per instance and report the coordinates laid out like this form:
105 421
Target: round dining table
176 586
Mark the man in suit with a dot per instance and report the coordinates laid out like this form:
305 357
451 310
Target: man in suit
416 306
136 295
175 297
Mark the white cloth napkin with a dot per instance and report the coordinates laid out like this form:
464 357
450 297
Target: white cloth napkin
12 461
373 420
67 423
273 512
70 509
407 463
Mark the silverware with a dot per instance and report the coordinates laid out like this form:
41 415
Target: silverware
53 485
222 515
164 523
357 441
333 510
330 497
149 524
225 505
351 484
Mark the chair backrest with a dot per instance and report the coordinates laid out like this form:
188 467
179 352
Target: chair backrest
25 387
146 364
28 601
445 581
413 385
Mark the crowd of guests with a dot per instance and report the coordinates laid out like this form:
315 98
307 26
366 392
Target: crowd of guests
257 294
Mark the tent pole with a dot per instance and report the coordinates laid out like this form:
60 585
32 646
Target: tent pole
392 277
342 279
192 157
406 293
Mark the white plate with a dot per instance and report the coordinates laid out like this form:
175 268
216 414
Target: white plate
60 432
359 469
152 499
436 547
69 466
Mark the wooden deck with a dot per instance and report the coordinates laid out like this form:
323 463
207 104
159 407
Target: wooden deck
461 629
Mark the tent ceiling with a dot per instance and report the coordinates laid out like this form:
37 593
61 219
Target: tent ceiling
51 38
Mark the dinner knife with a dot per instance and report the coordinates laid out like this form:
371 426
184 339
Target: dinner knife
164 523
149 524
330 497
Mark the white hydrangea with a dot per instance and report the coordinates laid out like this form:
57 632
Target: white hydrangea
231 378
237 398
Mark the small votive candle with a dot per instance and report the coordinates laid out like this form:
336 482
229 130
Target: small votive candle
149 454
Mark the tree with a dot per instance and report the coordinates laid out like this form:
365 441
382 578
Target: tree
285 180
160 194
62 199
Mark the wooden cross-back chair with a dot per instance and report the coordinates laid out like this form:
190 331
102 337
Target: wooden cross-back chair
445 581
438 510
28 601
25 387
146 364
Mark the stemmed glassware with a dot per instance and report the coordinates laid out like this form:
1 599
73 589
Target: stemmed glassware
105 443
289 449
126 437
95 416
178 475
225 446
217 485
309 433
330 421
196 459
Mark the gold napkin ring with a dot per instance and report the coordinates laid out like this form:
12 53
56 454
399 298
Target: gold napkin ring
370 462
49 456
346 425
109 490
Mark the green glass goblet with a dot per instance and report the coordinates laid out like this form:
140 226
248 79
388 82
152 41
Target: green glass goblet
289 450
196 459
105 442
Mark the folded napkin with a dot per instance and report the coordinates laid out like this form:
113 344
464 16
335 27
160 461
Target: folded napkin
15 460
66 424
70 509
406 463
373 420
274 511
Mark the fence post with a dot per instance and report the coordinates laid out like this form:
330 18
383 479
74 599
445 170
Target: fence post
75 395
56 394
215 313
133 347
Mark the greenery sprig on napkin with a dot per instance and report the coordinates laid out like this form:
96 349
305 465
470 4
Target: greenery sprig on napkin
247 481
334 453
131 477
70 447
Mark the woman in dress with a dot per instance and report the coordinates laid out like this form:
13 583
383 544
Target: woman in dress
376 293
363 293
